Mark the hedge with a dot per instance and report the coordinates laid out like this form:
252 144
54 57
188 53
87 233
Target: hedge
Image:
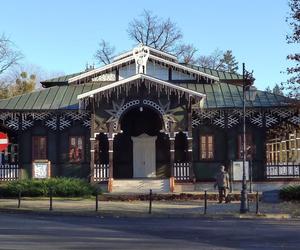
62 187
290 193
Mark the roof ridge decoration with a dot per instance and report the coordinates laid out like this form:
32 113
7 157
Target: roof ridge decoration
150 49
141 55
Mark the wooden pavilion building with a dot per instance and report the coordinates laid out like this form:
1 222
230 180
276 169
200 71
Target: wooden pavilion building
147 121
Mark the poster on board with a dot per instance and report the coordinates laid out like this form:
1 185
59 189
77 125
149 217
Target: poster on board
41 169
237 170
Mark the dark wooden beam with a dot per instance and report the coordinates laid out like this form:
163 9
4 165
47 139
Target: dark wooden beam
92 141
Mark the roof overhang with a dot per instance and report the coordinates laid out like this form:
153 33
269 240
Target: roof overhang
166 84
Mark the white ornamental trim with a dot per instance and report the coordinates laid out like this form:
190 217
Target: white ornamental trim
52 123
40 116
75 116
86 123
64 123
257 120
4 116
219 121
232 121
26 124
295 120
196 121
13 123
282 113
270 120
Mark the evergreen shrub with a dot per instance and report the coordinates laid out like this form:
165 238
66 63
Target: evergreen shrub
290 193
62 187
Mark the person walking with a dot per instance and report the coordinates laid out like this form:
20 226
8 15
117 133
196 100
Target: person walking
222 182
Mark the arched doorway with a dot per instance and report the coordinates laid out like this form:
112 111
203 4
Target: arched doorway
136 148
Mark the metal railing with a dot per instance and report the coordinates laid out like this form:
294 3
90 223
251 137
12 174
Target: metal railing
101 172
282 171
9 172
182 171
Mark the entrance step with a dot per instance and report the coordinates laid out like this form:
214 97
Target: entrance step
141 186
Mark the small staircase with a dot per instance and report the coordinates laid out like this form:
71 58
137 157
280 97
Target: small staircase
141 185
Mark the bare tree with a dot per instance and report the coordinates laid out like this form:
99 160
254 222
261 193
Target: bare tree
105 52
186 53
292 86
8 55
155 32
213 61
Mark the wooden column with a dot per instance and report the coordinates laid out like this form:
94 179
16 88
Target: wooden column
92 143
110 137
190 143
172 158
20 149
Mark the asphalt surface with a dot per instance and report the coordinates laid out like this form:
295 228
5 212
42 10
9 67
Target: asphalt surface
24 231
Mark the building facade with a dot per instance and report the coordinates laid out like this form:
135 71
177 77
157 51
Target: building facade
150 119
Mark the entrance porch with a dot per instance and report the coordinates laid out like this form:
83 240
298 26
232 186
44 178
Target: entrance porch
142 154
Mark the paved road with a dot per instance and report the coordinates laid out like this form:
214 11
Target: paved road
57 232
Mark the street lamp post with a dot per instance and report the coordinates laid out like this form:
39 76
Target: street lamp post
243 208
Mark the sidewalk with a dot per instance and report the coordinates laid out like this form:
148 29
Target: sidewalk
193 208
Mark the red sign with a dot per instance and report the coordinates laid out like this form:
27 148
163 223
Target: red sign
3 141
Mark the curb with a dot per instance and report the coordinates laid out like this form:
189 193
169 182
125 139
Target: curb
266 216
100 214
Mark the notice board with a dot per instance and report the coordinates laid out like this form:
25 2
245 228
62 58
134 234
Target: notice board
237 170
41 169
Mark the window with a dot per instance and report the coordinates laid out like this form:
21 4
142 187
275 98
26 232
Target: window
39 147
249 146
207 147
9 155
76 152
283 150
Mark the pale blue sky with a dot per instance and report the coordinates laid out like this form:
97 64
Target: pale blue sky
63 35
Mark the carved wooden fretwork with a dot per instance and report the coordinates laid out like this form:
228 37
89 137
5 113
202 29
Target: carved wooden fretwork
257 117
27 124
13 123
40 116
54 121
119 109
64 122
257 120
295 120
86 123
219 121
4 116
270 120
232 121
282 113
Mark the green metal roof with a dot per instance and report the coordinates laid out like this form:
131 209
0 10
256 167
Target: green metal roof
223 75
218 95
53 98
59 80
225 95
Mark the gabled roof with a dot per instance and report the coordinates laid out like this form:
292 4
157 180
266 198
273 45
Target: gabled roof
218 95
223 76
152 51
141 77
129 57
